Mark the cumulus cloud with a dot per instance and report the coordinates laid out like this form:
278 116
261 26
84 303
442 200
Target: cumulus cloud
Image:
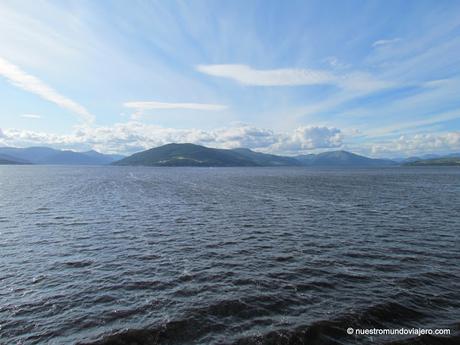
134 136
419 143
311 137
25 81
293 77
246 136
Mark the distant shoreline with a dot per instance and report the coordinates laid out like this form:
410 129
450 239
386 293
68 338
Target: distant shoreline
192 155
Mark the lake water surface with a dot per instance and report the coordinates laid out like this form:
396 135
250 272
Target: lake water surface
226 255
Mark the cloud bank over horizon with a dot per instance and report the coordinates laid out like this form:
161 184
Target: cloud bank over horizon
134 136
131 137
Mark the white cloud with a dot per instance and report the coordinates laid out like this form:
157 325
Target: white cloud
387 42
134 136
418 144
294 77
246 136
278 77
25 81
309 138
30 116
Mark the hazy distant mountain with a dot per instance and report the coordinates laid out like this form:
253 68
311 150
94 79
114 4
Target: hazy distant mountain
443 161
30 154
417 158
72 158
103 158
187 155
4 161
263 159
342 159
46 155
305 159
7 159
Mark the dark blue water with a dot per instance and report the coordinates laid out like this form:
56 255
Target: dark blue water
123 255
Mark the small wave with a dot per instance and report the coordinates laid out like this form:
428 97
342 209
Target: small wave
381 314
62 217
149 257
284 258
173 332
199 322
333 332
38 279
78 264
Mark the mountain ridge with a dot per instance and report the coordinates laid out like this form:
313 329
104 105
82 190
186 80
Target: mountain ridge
9 160
47 155
342 158
187 154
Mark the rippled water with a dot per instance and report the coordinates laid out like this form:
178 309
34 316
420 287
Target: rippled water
226 255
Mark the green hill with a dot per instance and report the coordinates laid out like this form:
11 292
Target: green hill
196 155
187 155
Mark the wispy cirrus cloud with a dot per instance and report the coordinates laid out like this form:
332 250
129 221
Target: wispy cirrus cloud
276 77
246 75
380 43
141 106
147 105
404 126
19 78
30 116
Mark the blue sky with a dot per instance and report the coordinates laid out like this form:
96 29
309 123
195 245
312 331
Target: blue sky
375 77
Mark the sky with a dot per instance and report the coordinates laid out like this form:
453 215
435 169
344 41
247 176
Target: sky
380 78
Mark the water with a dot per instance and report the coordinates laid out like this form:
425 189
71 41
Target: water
226 255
